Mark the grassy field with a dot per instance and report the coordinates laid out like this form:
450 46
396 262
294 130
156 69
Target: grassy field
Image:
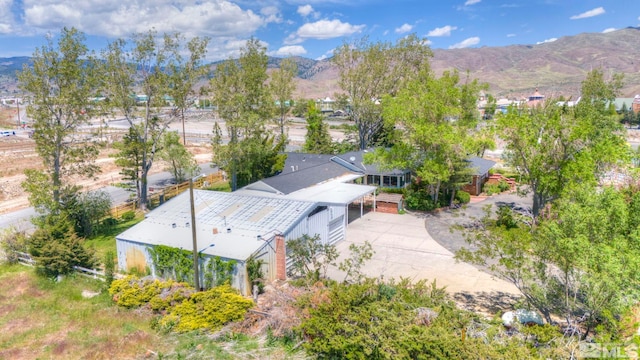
43 319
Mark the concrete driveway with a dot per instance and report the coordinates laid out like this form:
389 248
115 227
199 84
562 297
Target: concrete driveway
404 248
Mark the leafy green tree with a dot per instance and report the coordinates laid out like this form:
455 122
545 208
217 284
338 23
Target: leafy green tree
300 107
61 81
242 95
370 71
86 210
282 87
317 140
140 66
438 132
555 147
579 261
184 73
180 162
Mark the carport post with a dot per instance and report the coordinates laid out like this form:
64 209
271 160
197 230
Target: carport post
361 206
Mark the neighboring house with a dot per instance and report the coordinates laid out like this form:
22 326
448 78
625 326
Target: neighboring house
535 99
480 173
238 225
622 103
636 104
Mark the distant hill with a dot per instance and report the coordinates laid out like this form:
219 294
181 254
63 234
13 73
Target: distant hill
555 68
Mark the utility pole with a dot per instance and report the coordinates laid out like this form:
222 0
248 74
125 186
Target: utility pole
196 257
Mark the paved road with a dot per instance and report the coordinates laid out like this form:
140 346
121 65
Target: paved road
21 219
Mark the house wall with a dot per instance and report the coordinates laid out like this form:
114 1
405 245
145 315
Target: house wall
475 187
134 255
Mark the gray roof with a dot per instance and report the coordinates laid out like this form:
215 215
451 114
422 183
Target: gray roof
480 166
231 221
356 158
287 183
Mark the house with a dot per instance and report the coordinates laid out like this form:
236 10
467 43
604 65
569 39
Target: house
240 225
635 106
535 99
480 173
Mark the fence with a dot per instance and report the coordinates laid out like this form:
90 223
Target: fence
26 259
156 199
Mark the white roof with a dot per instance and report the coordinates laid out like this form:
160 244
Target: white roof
333 192
230 221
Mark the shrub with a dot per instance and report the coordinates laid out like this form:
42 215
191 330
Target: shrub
11 242
503 186
57 249
209 309
128 215
131 292
419 200
373 320
491 189
462 197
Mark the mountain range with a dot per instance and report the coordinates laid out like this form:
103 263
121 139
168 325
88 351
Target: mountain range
554 68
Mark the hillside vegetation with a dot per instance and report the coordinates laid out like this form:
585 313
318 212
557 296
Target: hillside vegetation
555 68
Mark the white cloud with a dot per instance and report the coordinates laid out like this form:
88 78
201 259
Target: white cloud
587 14
271 14
466 43
546 41
305 10
325 55
6 17
511 35
471 2
323 29
404 29
608 30
442 31
291 50
117 19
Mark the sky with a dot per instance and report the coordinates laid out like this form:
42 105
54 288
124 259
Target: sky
311 28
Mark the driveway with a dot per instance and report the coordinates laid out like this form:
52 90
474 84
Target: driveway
405 247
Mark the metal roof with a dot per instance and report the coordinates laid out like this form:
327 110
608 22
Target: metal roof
333 193
230 221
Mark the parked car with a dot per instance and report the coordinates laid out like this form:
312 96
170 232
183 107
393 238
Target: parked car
7 133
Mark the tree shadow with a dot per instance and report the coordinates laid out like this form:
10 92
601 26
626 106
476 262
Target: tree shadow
493 302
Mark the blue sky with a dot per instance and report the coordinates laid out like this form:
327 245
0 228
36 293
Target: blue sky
312 28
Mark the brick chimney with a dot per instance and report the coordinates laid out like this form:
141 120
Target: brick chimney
281 258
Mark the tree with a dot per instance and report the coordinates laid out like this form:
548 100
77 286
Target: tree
438 131
555 147
180 162
183 75
130 157
85 210
578 262
141 67
57 249
282 87
369 71
317 139
63 78
242 95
